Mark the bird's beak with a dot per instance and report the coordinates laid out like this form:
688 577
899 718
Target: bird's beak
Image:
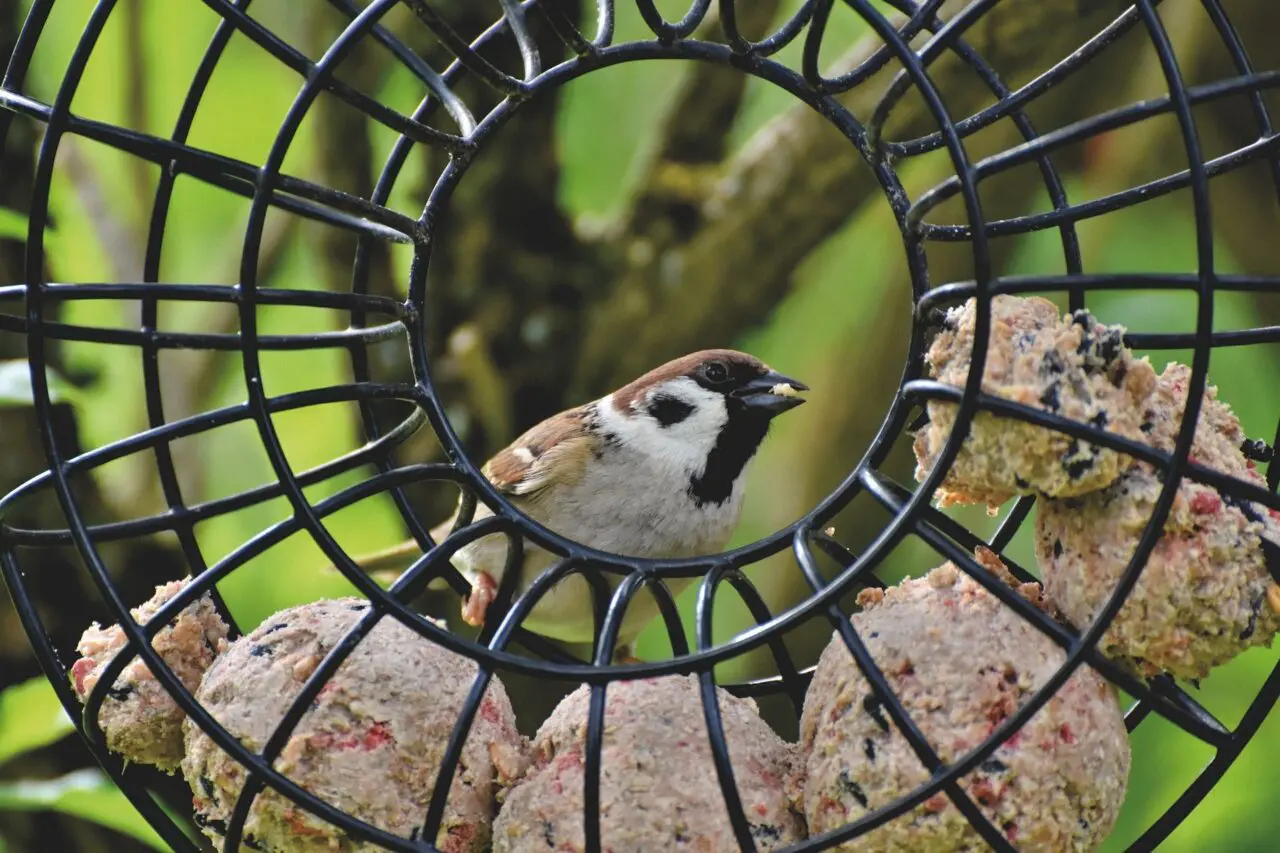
772 394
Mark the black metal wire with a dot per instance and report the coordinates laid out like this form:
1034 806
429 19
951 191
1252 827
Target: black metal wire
374 320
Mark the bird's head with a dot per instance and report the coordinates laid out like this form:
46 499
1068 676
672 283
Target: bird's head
704 414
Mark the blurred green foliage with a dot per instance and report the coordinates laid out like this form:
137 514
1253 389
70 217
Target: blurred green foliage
605 131
30 718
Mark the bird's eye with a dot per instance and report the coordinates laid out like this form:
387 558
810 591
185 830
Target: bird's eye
715 372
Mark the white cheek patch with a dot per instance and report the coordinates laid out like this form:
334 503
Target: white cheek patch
680 447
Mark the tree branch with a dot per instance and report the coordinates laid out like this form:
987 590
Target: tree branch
692 141
507 268
793 185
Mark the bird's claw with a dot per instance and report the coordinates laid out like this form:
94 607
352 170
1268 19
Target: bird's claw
483 591
623 655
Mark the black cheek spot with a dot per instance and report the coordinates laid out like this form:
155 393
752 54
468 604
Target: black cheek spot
1100 420
993 765
869 749
669 411
358 608
1057 547
260 651
549 833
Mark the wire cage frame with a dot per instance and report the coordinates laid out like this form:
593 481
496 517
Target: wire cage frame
374 318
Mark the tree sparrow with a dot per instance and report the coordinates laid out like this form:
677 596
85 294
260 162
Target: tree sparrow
654 469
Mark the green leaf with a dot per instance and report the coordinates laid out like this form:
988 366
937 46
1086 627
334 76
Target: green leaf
15 385
85 793
13 225
30 717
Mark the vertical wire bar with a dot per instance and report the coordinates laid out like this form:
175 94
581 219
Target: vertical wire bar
759 610
604 24
712 718
514 13
169 485
434 817
943 38
593 754
981 256
15 72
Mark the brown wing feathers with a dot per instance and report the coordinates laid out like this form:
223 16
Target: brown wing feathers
526 465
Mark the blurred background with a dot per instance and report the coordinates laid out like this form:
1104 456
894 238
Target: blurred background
633 215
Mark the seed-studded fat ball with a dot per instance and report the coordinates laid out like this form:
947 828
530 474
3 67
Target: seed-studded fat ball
1205 593
370 744
961 662
1070 366
658 783
138 717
